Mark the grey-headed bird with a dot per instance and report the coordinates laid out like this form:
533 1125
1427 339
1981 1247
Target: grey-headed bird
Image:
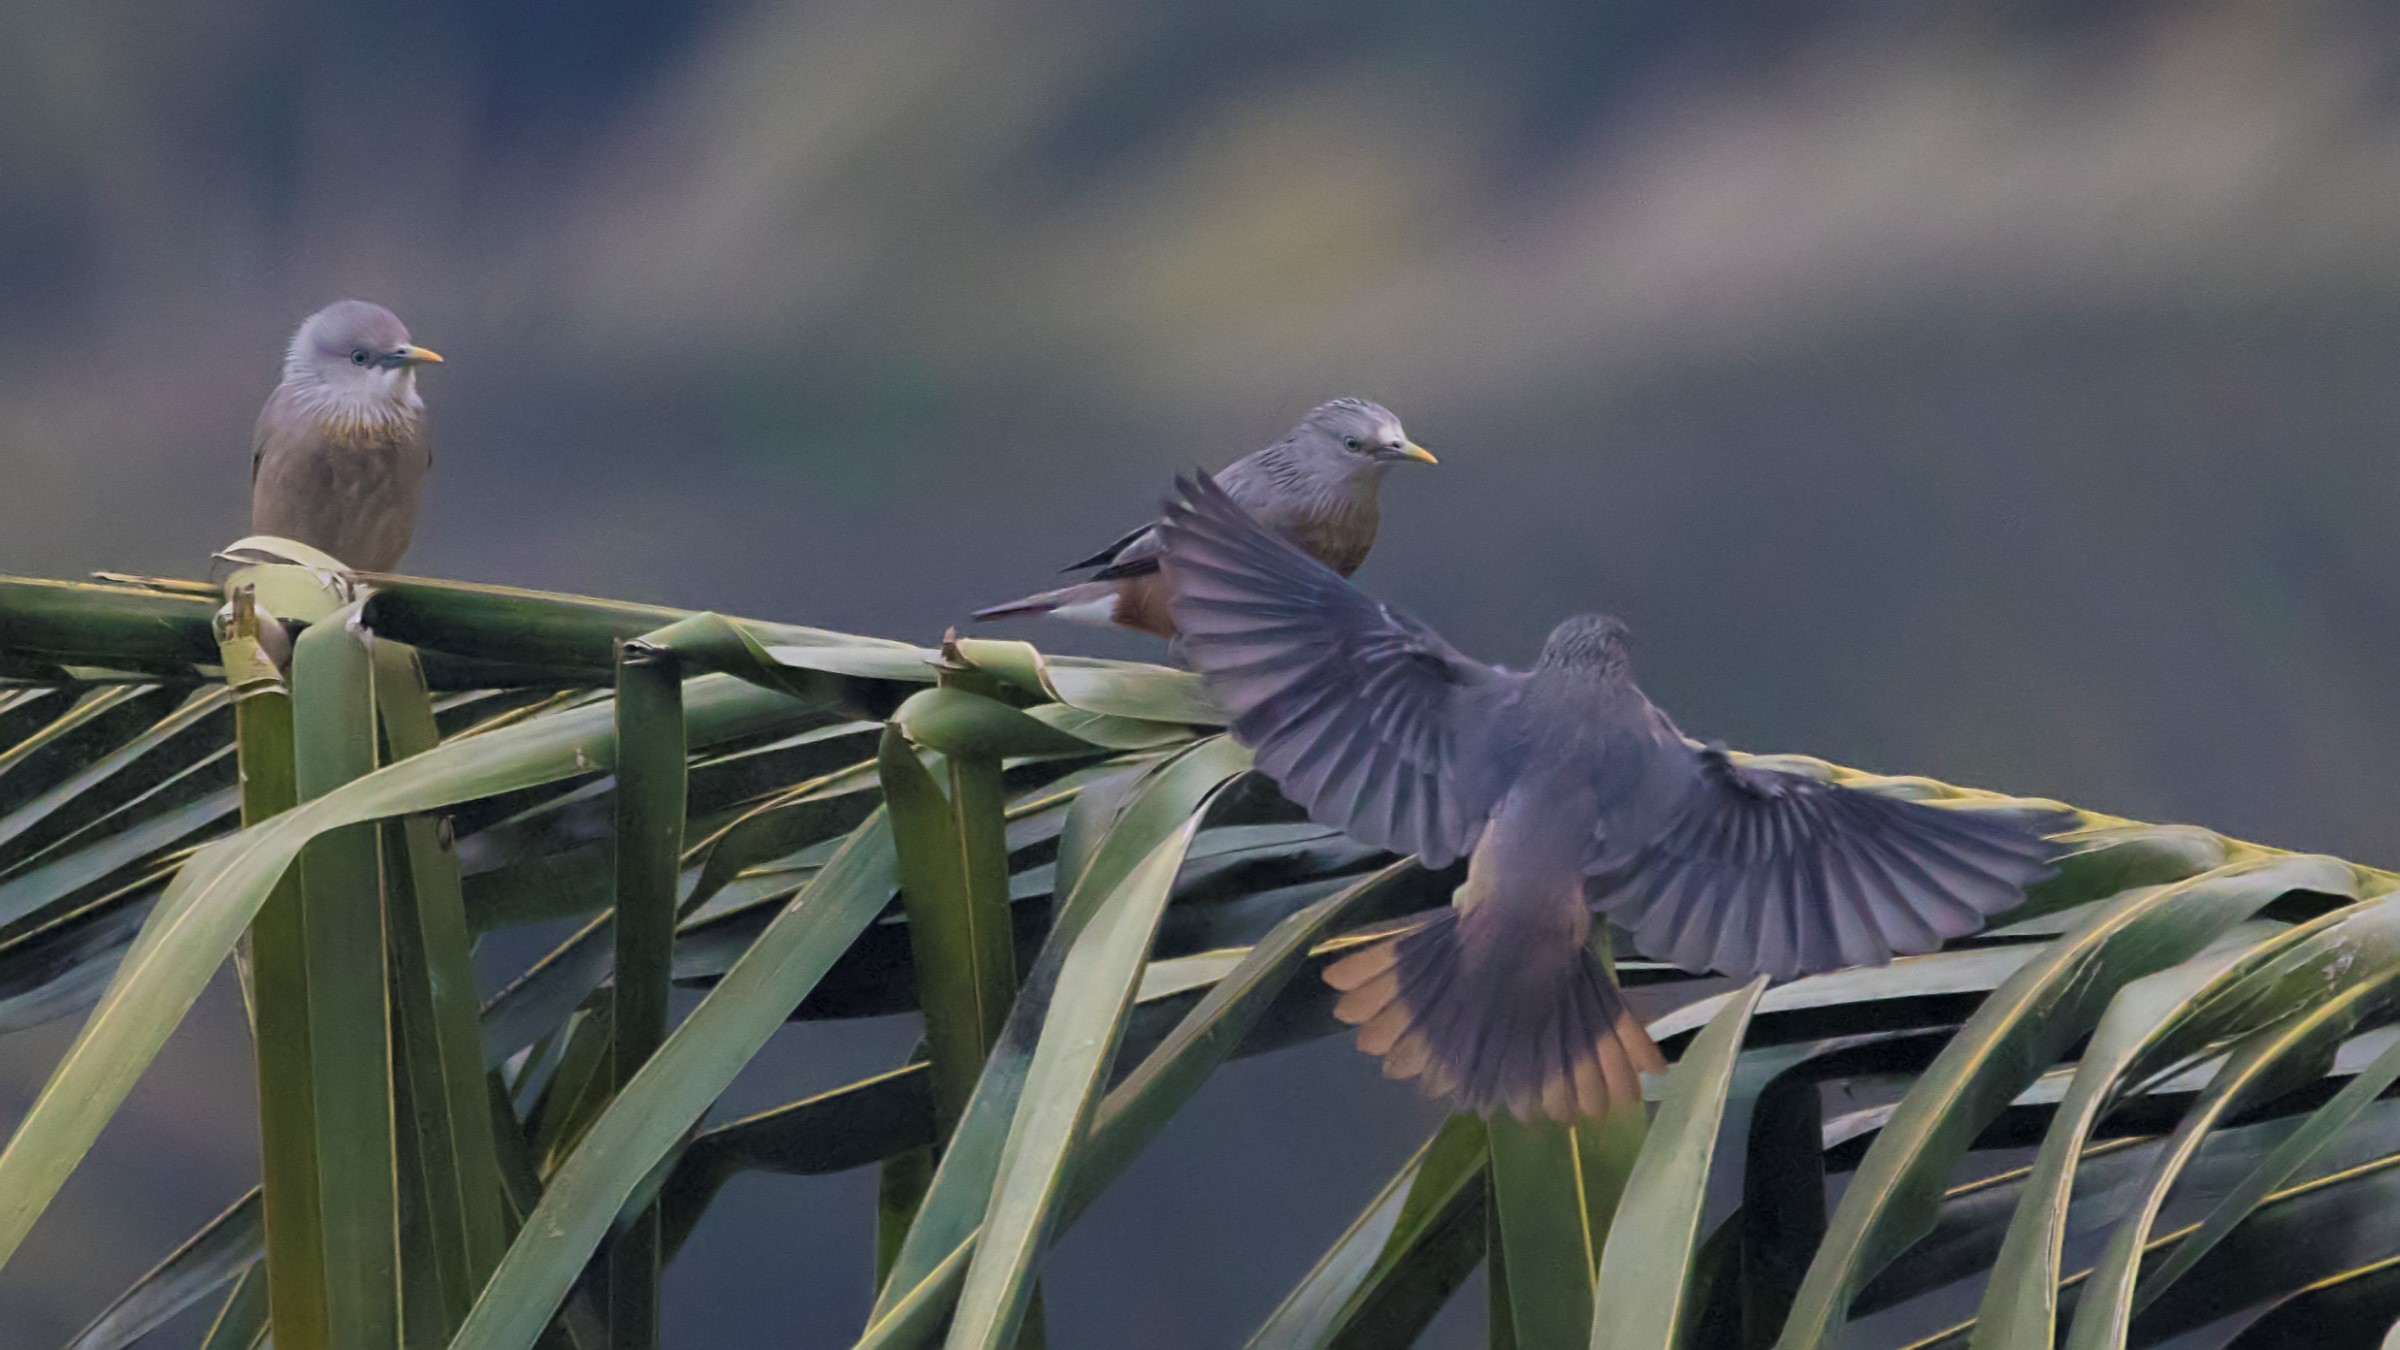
1567 792
340 456
1316 487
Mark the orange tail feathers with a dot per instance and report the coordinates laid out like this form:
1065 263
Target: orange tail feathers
1539 1033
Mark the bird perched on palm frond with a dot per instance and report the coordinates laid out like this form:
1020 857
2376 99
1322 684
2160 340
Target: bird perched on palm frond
1316 487
1568 792
340 455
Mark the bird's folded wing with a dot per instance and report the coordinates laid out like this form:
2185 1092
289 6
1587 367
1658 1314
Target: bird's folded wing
1754 871
1141 541
1366 718
278 423
1137 559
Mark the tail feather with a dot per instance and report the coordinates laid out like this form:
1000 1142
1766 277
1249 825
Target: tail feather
1499 1029
1131 601
1099 596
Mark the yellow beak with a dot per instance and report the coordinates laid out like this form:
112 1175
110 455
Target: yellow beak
1419 453
420 355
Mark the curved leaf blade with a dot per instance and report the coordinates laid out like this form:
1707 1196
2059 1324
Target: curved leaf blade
1079 1039
2020 1029
1412 1208
1642 1298
955 1206
209 1260
2278 1167
675 1087
2020 1306
2298 1034
197 922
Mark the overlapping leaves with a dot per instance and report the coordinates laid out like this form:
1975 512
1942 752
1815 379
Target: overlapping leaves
2186 1033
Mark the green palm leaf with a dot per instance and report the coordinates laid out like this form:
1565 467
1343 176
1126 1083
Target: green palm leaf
1026 802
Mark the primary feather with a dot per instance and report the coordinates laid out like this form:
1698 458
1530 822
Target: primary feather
1569 791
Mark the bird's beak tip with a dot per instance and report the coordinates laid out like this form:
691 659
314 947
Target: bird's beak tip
1419 453
424 356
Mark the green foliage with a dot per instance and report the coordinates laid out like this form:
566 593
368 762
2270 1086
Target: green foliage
1064 868
1650 1243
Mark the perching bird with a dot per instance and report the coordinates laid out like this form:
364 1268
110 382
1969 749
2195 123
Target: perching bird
1567 792
340 455
1315 487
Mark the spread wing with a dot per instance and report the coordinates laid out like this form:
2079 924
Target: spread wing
1365 717
1750 870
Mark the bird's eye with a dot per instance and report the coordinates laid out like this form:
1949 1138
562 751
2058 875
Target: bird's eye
358 356
1351 441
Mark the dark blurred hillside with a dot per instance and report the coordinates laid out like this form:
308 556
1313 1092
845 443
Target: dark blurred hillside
2003 393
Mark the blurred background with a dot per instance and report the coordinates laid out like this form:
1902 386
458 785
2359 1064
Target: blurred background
1996 391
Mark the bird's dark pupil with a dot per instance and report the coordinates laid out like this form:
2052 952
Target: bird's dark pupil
358 358
1351 441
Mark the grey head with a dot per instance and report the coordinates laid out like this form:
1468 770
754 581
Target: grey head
354 358
1594 644
1349 437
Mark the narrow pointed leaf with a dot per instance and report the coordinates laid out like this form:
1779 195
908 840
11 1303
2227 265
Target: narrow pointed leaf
1541 1187
285 1074
2020 1029
954 884
349 1026
455 1172
650 1116
2322 1127
2315 1013
107 781
194 926
650 801
955 1206
1086 1018
1643 1299
213 1258
1441 1183
2020 1306
1137 1109
1140 1106
242 1323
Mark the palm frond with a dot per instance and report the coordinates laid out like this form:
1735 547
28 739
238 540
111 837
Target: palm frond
1062 867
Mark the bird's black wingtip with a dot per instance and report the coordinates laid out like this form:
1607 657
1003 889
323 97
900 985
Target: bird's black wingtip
1199 495
1196 495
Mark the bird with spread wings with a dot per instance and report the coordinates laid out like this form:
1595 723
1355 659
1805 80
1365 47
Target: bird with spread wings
1569 793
